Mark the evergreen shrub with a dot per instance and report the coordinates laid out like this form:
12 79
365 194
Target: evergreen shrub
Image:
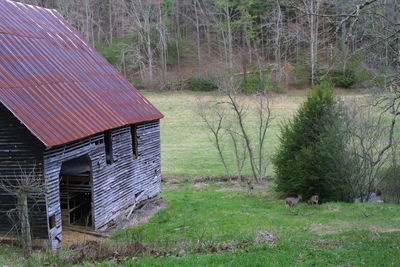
345 79
306 161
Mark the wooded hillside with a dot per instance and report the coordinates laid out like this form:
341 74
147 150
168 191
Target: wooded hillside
162 43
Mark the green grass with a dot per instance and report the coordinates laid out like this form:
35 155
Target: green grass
237 215
332 234
359 249
363 250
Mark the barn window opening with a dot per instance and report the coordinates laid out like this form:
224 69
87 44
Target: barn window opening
134 141
99 142
76 192
108 146
52 222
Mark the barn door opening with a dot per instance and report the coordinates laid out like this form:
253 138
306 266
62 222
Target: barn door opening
76 192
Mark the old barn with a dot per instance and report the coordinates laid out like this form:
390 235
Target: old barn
69 116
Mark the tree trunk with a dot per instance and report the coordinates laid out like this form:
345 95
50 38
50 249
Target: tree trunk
230 37
312 43
150 56
199 64
163 47
314 8
178 39
25 225
278 22
110 20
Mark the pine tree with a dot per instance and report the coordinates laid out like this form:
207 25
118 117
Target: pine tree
303 162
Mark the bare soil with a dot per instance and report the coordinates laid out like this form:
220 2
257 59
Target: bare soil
71 237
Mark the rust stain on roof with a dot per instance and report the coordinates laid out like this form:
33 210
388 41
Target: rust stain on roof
56 84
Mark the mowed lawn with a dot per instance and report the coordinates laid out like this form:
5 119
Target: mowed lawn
186 146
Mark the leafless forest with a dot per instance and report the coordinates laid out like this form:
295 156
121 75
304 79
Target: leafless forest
160 43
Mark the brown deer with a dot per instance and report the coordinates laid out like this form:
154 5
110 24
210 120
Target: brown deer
250 187
313 200
292 201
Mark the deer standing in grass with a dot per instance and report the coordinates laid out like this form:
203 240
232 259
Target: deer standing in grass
292 201
314 200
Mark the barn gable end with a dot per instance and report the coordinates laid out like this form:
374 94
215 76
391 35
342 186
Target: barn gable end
20 153
117 187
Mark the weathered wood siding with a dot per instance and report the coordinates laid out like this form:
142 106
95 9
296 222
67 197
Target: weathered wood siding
116 187
20 152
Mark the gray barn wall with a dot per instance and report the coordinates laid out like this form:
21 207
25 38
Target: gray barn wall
116 187
20 153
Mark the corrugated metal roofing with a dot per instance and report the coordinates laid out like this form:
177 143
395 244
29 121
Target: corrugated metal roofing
56 84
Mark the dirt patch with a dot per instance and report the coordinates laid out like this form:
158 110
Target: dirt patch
142 215
174 181
219 179
104 250
242 187
71 237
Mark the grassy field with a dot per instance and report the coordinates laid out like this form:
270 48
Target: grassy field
219 224
186 147
332 234
219 218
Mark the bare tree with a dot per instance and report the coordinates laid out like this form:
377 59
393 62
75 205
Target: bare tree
23 187
277 41
198 40
370 136
229 115
143 13
313 6
255 149
240 151
214 116
225 26
163 42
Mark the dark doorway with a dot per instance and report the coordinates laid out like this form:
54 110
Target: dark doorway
76 192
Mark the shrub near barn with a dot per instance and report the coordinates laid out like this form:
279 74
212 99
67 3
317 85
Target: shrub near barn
301 163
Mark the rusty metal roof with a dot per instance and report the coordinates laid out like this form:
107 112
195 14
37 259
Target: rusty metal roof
56 84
